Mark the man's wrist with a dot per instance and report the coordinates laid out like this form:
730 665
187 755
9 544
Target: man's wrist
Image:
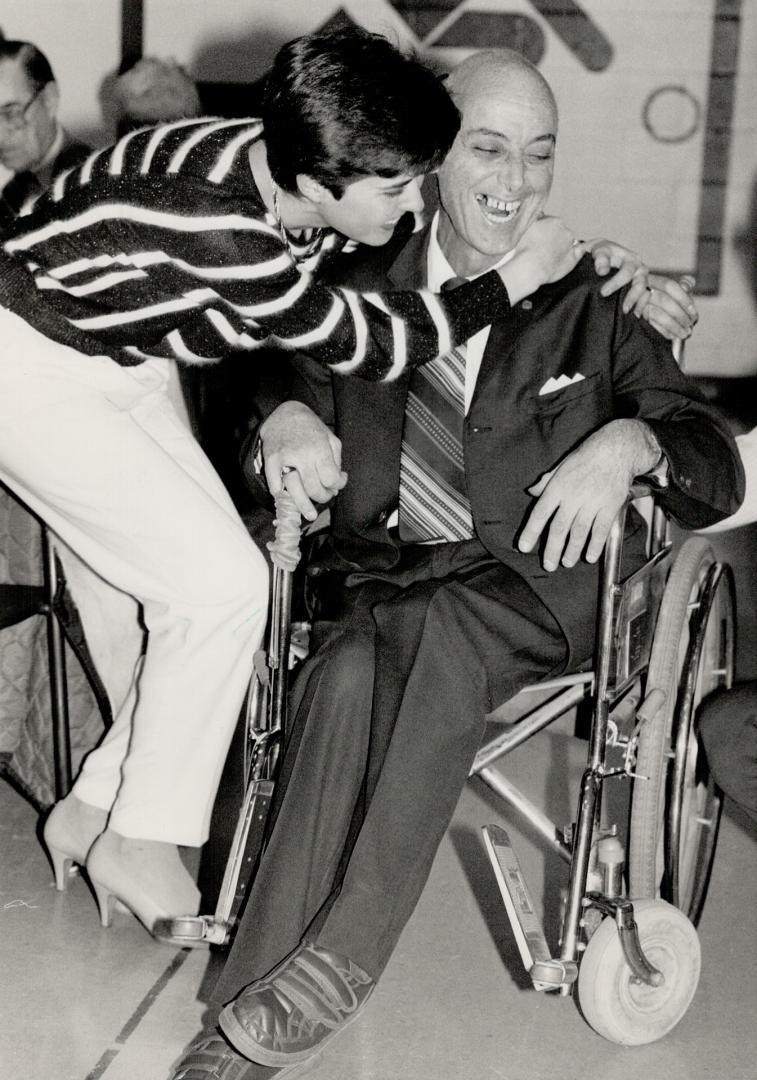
652 465
658 477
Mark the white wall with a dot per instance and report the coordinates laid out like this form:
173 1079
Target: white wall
614 178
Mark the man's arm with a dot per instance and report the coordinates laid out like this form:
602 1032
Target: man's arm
580 499
661 416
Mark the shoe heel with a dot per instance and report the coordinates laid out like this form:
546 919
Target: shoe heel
62 864
106 902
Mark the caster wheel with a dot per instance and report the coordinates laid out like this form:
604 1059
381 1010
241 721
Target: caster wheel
616 1004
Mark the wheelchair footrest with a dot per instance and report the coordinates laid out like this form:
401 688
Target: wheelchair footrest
191 931
546 972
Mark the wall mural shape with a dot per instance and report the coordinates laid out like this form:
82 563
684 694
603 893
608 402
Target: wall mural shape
476 29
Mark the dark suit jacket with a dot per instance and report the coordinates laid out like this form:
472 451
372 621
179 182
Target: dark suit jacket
513 433
15 191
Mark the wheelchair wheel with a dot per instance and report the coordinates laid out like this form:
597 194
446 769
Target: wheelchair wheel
695 802
675 808
620 1007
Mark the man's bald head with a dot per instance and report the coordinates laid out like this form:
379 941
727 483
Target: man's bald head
491 70
497 177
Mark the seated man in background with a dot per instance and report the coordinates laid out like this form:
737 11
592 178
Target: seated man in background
728 720
153 91
33 145
508 460
728 727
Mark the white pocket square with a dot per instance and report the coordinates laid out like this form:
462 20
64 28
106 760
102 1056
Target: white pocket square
551 385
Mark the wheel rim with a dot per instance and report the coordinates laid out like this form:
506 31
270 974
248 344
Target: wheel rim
641 998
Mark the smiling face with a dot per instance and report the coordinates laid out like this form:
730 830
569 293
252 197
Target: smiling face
497 177
369 209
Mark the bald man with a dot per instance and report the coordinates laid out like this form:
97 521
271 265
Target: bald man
444 592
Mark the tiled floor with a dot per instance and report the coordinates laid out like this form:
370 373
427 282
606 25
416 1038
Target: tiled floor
82 1003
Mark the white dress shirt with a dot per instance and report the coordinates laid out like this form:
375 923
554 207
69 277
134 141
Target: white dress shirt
439 271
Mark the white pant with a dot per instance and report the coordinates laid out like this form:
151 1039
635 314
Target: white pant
100 454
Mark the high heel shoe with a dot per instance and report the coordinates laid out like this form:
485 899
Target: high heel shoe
69 832
145 876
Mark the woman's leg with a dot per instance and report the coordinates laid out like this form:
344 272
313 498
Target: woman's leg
98 452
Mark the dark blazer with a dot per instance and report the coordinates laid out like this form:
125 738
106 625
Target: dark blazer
19 186
513 433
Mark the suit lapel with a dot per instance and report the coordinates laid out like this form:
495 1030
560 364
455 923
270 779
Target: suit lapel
500 351
506 333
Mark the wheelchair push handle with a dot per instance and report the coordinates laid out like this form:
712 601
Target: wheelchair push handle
285 546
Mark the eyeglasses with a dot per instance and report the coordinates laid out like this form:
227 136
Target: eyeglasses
13 117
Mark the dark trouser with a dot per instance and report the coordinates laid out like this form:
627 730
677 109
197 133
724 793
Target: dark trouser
387 717
728 726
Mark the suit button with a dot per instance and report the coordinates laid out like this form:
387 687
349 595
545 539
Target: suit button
383 516
527 305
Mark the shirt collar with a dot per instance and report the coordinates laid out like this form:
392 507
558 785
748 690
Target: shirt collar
439 269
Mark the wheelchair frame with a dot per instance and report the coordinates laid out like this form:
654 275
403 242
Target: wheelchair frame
665 639
265 720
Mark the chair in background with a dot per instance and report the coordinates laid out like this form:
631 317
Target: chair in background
20 602
41 741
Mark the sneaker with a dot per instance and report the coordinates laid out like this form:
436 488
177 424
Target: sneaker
285 1017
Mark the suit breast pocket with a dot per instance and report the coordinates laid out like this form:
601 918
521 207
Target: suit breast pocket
557 400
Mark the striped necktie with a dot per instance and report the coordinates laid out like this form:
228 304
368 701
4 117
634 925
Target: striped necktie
433 502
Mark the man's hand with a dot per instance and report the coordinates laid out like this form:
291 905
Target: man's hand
668 307
580 499
546 252
293 438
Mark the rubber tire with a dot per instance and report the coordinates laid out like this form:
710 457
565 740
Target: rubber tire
647 822
693 797
620 1008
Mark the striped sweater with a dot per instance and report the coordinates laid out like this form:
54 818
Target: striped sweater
161 246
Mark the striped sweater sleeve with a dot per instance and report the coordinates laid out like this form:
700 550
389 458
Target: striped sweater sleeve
263 298
157 247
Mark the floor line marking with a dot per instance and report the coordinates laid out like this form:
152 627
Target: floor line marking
138 1015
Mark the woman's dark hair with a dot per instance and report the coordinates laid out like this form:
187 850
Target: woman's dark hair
33 61
345 104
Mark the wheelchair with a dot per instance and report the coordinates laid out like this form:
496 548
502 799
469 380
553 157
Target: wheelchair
637 883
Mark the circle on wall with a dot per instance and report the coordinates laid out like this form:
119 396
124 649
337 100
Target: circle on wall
671 114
